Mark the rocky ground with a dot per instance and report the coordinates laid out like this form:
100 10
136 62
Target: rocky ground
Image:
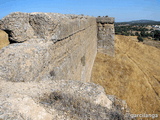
133 74
58 100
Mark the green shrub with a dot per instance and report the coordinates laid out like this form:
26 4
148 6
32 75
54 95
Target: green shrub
140 39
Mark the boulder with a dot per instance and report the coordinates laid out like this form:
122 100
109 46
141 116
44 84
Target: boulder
3 39
18 25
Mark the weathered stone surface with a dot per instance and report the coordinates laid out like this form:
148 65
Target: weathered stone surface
3 39
48 26
67 52
106 35
58 100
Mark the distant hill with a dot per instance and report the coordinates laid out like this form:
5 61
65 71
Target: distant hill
140 22
143 21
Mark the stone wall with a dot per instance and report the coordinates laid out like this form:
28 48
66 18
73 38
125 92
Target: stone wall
106 35
52 46
38 72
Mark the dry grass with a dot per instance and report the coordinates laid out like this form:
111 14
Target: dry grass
133 74
3 39
79 108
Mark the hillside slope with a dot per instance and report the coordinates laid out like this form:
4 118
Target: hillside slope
133 74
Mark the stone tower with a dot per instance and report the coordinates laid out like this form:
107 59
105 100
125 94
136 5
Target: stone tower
106 35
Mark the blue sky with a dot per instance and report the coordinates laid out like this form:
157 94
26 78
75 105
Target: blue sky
122 10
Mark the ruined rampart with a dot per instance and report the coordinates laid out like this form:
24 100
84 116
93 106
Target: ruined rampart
39 69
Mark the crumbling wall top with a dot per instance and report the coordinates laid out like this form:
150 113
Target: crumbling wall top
109 20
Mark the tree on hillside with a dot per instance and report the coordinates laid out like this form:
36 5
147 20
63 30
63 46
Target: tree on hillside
157 35
143 34
137 34
140 39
